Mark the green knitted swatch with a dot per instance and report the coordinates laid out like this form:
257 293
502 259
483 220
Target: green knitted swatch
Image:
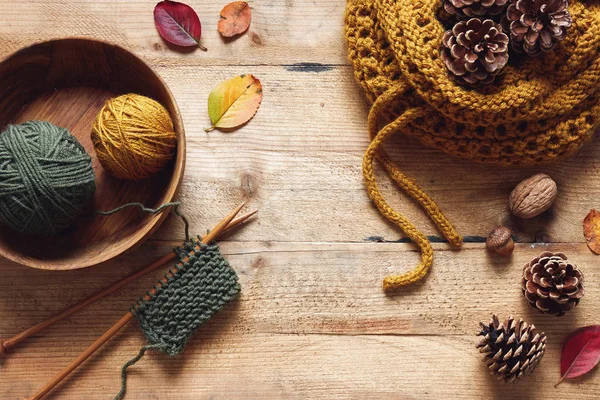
197 289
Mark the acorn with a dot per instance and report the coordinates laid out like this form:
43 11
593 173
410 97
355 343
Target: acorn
500 241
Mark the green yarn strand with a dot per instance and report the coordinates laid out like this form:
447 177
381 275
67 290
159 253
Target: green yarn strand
46 178
128 364
175 207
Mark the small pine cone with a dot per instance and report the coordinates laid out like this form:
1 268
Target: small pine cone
464 9
512 349
537 25
475 51
552 284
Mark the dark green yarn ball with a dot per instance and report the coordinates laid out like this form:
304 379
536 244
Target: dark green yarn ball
46 178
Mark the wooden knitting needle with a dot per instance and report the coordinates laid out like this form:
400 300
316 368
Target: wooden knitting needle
217 230
15 340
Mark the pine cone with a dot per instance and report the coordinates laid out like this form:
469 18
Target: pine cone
512 349
475 8
537 25
475 51
552 284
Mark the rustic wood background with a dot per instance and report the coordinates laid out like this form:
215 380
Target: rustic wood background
312 321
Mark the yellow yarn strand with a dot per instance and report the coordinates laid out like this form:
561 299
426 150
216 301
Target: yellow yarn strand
374 150
133 137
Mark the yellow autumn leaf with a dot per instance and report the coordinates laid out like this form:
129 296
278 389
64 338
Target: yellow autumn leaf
591 230
234 102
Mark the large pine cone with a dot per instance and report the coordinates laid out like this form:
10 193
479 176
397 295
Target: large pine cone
512 349
475 51
552 284
537 25
475 8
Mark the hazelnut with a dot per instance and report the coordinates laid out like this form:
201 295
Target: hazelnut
500 241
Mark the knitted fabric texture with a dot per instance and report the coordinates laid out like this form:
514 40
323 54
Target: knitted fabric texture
536 112
200 285
46 178
134 136
192 295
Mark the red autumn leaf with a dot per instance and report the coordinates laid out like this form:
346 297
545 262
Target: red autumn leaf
178 24
235 18
581 352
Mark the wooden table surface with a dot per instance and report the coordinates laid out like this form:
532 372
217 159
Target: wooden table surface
312 321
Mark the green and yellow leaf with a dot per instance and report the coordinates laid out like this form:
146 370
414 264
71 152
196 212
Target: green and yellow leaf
234 102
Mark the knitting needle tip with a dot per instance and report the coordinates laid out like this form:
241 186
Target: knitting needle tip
243 218
222 225
239 221
237 210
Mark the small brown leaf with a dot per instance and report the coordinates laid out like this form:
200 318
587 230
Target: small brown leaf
591 230
235 19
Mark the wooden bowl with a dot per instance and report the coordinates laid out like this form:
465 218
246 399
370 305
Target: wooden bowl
66 82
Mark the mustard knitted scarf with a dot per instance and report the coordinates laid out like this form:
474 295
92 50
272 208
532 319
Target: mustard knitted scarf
535 113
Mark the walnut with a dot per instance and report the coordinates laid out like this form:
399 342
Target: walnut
533 196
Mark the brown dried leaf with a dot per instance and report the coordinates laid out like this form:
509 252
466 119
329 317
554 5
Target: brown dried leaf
591 230
235 19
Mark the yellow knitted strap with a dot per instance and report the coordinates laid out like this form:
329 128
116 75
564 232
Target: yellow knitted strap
432 209
374 150
413 190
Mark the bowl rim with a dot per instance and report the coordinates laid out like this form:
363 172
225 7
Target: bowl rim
172 187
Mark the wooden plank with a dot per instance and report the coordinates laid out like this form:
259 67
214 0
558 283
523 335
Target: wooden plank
289 32
311 322
321 288
255 366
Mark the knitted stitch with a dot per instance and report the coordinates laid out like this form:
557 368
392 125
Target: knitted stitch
200 285
535 113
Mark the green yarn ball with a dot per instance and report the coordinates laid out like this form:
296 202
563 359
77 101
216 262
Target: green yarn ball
46 178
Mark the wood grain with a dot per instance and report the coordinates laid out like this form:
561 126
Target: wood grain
312 321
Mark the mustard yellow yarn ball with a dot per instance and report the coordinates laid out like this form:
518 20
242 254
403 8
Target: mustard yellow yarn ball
133 137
